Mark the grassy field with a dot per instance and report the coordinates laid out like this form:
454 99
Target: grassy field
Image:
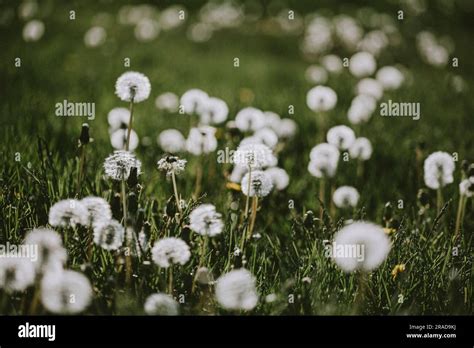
39 156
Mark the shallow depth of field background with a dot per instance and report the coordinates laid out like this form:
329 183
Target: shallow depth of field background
272 70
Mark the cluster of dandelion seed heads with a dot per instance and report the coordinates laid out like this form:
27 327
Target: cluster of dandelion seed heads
51 253
68 213
324 159
171 165
161 304
254 156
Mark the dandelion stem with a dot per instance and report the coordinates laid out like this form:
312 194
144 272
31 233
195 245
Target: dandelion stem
81 169
127 144
128 255
361 289
247 201
253 216
170 281
459 216
439 199
204 251
197 187
321 197
175 189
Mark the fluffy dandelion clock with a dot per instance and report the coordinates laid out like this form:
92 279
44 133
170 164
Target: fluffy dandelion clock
345 197
213 111
133 86
260 184
316 74
371 241
99 209
167 101
332 63
438 170
361 149
341 136
171 164
324 159
95 36
390 77
321 98
193 100
118 139
16 273
68 213
169 251
272 119
33 30
172 141
286 128
237 173
65 292
362 64
146 29
370 87
253 155
250 119
118 118
361 109
109 235
279 177
205 220
267 136
161 304
466 187
118 165
236 290
51 253
201 140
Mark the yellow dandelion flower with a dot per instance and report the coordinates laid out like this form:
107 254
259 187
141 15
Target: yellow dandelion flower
397 269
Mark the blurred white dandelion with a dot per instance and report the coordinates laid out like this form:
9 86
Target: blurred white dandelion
321 99
193 100
258 184
254 155
341 136
118 139
109 235
95 36
169 251
51 253
279 177
133 86
167 101
213 111
324 159
16 273
361 149
371 87
236 290
390 77
161 304
201 140
119 165
118 118
205 220
362 64
250 119
68 213
171 165
33 30
438 170
345 197
172 141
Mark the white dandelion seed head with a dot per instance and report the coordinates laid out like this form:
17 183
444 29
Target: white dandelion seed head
99 209
170 17
250 119
254 155
286 128
213 111
118 118
95 36
147 29
118 139
250 140
205 220
321 99
466 187
332 63
361 149
119 165
324 159
33 30
193 100
201 140
167 101
361 109
260 184
133 85
362 64
316 74
51 253
65 292
161 304
267 136
169 251
279 177
272 120
345 197
370 87
16 273
236 290
438 170
171 164
390 77
238 173
341 136
367 236
172 141
109 235
68 213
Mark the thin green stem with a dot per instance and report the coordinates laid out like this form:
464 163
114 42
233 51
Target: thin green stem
176 196
127 144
